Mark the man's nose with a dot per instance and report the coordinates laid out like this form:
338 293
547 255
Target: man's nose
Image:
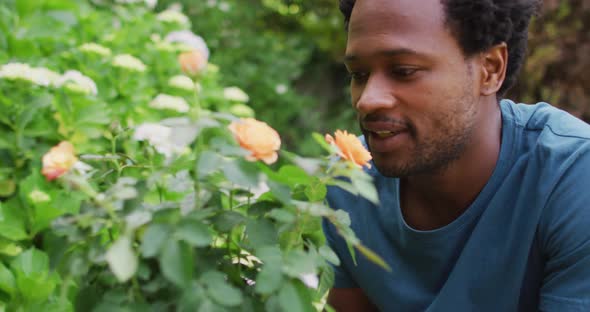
377 94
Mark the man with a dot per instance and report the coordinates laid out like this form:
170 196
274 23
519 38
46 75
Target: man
483 204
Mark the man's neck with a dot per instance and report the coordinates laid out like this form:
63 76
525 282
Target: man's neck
430 201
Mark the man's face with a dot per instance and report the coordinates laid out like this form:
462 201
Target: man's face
413 89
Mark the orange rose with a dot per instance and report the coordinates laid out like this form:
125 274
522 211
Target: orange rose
258 138
350 148
58 160
192 62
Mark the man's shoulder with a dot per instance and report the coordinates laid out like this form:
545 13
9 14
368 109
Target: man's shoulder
549 135
545 117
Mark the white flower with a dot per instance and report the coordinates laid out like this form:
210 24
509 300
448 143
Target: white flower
155 37
151 3
281 89
82 168
160 137
95 48
37 196
129 62
14 71
165 101
173 16
242 110
224 6
77 82
44 76
310 280
38 75
162 45
152 132
182 82
211 3
189 39
235 94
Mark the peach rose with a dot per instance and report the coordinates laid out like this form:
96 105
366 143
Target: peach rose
192 62
258 138
350 148
58 160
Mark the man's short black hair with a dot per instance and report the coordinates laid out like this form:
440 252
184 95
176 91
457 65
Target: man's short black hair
480 24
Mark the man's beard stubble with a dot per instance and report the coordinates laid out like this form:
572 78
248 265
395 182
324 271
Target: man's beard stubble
435 153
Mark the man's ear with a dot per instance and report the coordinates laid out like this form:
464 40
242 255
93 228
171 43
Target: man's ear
494 62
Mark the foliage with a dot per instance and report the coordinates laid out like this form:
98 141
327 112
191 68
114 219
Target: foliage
558 60
159 208
278 50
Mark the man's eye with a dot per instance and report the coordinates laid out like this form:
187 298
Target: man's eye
404 72
359 76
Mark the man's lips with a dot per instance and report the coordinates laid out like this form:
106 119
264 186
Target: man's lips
384 128
385 134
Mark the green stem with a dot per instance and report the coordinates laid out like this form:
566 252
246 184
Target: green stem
197 100
137 289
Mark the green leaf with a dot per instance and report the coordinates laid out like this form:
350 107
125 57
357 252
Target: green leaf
327 253
270 255
7 282
7 187
342 217
221 291
280 192
326 281
269 279
316 191
12 221
373 257
176 263
367 190
261 207
282 215
292 175
31 269
261 233
8 248
208 163
227 220
47 202
192 297
6 142
154 238
291 299
122 259
315 209
309 165
273 304
241 174
321 140
62 203
299 262
195 233
347 186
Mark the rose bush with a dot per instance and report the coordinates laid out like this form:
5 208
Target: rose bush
127 186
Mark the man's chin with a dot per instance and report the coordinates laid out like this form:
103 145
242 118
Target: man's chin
389 169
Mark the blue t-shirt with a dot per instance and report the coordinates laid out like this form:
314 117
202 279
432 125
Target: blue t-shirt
522 245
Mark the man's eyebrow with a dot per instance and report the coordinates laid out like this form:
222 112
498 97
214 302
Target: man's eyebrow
393 52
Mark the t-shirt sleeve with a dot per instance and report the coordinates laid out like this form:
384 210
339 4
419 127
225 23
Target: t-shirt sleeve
565 238
342 278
